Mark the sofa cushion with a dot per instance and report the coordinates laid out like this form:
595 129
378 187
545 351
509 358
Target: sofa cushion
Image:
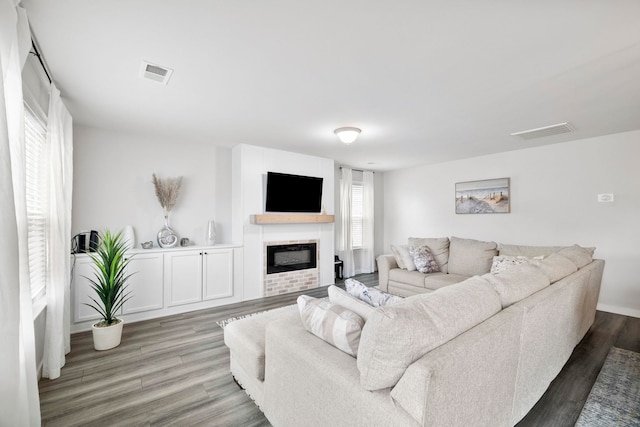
403 257
414 278
556 267
438 280
504 262
470 257
423 259
578 255
372 296
334 324
439 247
517 282
396 335
342 298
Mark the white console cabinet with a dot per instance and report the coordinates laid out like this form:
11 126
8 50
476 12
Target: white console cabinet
165 282
146 283
199 275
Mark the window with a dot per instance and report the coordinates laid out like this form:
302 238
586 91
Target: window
356 215
37 193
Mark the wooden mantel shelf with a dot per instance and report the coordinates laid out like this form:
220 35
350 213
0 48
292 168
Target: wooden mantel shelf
291 219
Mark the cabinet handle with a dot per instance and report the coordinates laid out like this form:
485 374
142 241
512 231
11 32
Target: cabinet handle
205 253
201 253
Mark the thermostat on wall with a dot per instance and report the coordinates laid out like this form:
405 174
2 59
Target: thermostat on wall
605 198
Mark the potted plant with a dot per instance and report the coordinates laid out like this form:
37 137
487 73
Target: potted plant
110 285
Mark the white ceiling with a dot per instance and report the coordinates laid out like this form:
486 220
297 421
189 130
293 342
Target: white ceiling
426 81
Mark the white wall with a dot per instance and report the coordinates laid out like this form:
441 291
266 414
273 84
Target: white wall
553 202
250 166
112 184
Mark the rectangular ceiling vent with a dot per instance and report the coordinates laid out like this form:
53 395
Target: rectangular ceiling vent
545 131
155 72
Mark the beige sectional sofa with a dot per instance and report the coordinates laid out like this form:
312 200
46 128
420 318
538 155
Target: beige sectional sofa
478 352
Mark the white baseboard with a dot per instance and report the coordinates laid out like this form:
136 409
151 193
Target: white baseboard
625 311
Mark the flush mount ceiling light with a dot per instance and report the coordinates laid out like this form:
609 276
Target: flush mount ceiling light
347 134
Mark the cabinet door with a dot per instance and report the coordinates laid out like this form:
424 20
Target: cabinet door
145 286
82 290
183 277
217 273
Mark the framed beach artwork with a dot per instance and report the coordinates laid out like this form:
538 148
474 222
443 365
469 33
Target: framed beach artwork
483 197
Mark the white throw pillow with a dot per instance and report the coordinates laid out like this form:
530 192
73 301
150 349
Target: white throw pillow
372 296
398 257
332 323
402 253
342 298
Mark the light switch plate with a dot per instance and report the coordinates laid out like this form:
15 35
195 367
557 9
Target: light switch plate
605 198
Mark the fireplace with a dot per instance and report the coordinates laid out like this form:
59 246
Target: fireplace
291 257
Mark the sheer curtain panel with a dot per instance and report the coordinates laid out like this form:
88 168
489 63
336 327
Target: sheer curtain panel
60 145
19 401
345 248
368 254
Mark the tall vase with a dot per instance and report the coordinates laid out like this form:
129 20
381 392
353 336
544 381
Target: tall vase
167 237
129 236
210 238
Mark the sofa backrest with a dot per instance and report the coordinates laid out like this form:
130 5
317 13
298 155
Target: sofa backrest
397 335
468 257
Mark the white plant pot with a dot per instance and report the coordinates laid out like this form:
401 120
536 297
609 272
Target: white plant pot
107 337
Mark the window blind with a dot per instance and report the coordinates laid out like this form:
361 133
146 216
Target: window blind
37 198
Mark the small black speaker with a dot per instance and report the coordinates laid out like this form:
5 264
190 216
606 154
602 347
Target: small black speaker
93 241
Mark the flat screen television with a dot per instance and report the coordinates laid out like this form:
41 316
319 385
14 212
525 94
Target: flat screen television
293 193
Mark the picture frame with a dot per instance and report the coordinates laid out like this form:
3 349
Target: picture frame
485 196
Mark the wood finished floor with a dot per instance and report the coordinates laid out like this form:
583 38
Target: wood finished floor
175 371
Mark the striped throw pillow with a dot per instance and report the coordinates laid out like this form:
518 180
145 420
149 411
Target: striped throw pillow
334 324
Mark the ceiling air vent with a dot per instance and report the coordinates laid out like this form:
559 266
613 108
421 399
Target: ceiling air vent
155 72
545 131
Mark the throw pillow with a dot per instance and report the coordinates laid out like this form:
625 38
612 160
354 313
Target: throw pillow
344 299
468 257
372 296
439 247
334 324
504 262
423 259
398 257
405 258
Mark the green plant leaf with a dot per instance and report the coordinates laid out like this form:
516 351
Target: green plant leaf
110 278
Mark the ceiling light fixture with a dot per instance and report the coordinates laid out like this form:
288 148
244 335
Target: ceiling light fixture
347 134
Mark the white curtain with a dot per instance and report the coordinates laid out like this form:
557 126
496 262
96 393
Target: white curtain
368 254
19 401
345 248
60 146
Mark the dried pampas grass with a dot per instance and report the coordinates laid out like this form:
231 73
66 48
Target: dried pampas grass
167 191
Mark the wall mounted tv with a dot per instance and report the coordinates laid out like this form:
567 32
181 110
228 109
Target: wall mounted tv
293 193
